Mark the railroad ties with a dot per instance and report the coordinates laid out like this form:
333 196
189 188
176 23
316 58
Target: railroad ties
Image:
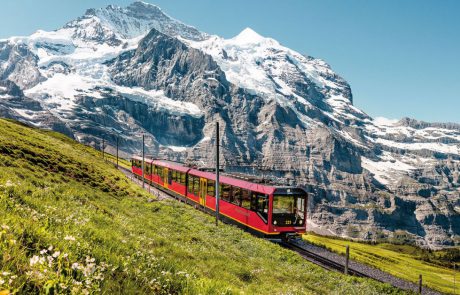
335 262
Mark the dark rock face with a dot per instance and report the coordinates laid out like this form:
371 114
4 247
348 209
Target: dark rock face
19 64
182 129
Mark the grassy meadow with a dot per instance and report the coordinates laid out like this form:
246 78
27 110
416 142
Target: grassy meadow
70 223
403 261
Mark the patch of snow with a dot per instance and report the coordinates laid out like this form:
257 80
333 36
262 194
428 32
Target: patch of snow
437 147
25 113
386 170
64 87
247 37
381 121
177 148
3 89
157 99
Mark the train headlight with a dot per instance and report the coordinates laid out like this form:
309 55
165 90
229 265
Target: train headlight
274 222
300 222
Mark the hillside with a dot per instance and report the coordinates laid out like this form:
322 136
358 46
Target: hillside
72 223
403 261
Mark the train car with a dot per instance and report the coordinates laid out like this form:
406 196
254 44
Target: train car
267 211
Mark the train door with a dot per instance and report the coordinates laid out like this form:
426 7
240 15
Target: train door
203 191
166 177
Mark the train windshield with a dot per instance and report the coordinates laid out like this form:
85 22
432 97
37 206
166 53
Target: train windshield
288 210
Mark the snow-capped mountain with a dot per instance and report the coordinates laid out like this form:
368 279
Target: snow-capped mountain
127 71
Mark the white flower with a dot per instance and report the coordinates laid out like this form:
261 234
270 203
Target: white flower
5 273
75 265
1 282
4 226
56 254
34 260
50 248
69 238
43 251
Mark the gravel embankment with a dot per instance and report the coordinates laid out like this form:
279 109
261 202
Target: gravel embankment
365 269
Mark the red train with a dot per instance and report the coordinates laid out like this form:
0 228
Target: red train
266 211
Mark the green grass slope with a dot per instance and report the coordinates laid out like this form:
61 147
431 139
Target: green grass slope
404 261
71 223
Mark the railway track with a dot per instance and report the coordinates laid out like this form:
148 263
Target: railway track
319 256
321 260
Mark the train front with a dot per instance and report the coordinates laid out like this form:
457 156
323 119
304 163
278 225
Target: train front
288 211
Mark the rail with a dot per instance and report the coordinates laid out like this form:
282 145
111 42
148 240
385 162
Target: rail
320 260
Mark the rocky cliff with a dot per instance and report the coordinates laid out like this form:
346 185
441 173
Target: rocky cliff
124 72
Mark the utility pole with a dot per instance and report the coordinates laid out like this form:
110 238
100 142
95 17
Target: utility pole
103 147
420 282
217 173
347 259
117 151
143 155
455 290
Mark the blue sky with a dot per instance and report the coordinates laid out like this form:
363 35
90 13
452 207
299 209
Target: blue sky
402 58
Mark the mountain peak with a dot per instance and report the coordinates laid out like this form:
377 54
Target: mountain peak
132 21
248 35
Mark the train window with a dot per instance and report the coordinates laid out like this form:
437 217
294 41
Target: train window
160 173
173 174
211 187
190 184
236 195
182 178
283 204
196 186
246 199
226 192
261 204
169 177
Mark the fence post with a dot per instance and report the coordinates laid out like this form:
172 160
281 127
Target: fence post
420 284
347 259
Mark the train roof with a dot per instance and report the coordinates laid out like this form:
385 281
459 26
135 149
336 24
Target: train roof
172 165
146 160
256 187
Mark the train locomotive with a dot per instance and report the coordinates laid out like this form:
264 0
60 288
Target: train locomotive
266 211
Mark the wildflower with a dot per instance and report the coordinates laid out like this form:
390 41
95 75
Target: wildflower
2 282
65 255
56 254
34 260
69 238
6 227
50 248
43 251
5 273
75 265
123 241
